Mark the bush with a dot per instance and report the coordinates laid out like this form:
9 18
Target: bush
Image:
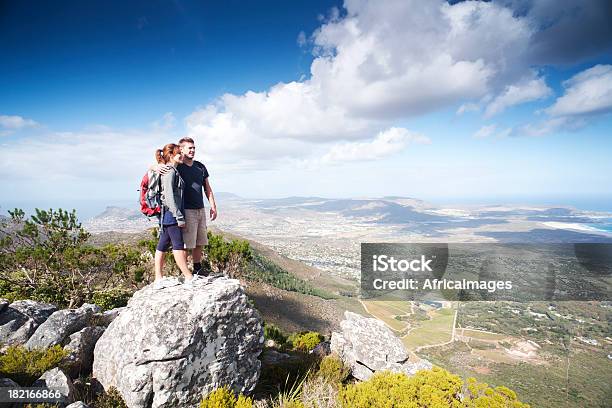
224 398
112 298
26 366
427 388
110 399
305 341
272 332
332 369
47 258
228 257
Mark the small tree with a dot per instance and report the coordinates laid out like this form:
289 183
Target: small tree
47 258
228 257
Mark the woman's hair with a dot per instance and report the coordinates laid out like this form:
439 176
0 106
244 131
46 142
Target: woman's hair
164 155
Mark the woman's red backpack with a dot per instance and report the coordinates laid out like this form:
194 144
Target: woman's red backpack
150 194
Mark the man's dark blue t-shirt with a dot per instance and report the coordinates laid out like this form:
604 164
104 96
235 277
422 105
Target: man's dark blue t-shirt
194 177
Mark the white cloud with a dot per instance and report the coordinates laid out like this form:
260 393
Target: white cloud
492 130
386 143
526 90
167 122
13 123
586 93
373 65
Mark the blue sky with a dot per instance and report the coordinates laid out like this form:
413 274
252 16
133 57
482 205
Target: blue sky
504 101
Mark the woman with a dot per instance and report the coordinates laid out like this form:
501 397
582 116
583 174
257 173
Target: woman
173 218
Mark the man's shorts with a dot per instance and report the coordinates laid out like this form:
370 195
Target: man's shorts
170 234
194 233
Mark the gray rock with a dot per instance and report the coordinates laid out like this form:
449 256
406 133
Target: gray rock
58 380
322 349
80 348
105 318
367 345
61 324
78 404
171 346
273 357
7 382
20 319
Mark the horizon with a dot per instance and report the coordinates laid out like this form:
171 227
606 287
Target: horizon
503 101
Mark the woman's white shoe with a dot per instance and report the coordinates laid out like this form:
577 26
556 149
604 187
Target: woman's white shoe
189 282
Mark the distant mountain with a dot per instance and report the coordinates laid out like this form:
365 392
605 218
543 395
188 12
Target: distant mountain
119 219
119 213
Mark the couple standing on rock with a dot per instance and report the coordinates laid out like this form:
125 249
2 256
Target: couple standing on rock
183 217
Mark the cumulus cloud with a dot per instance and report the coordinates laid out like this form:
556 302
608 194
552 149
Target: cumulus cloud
372 67
527 90
12 123
386 143
586 93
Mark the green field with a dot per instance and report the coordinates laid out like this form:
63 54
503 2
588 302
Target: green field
435 331
475 334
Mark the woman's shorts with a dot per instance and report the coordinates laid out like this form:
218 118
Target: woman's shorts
171 234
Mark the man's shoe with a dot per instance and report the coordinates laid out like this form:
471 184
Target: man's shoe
189 282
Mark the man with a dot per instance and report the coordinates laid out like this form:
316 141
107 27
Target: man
195 176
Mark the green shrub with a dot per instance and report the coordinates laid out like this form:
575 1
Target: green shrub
112 298
110 399
305 341
272 332
25 366
436 388
261 269
228 257
47 258
224 398
332 369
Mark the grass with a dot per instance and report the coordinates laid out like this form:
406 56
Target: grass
382 312
435 331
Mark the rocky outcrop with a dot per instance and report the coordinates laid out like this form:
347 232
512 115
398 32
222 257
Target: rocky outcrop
61 324
20 319
58 380
367 345
171 346
80 350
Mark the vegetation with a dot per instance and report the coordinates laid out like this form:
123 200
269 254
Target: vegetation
272 332
224 398
305 341
436 388
47 258
263 270
25 366
228 257
333 370
110 399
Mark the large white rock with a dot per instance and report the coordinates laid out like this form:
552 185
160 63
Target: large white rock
169 347
367 345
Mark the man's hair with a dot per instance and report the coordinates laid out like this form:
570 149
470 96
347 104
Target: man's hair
186 140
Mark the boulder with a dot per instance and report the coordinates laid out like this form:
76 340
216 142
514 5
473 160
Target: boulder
58 380
61 324
367 345
171 346
20 319
80 348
